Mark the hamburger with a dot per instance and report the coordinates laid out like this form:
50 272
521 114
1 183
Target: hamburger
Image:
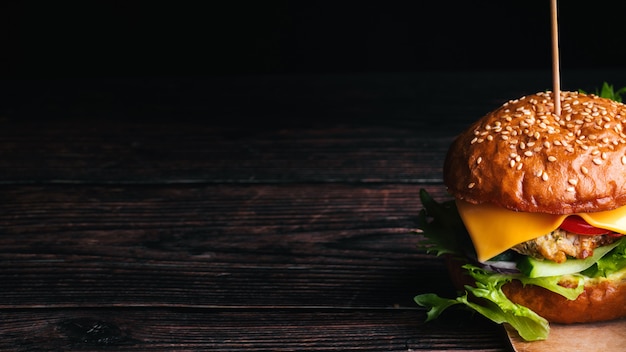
535 233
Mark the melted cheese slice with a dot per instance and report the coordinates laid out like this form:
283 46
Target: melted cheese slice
493 229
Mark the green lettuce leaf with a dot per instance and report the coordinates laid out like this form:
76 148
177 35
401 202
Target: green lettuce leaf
607 91
611 263
492 303
442 227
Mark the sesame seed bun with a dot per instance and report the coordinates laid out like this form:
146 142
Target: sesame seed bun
523 157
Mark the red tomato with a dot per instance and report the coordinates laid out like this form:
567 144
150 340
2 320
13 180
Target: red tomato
576 224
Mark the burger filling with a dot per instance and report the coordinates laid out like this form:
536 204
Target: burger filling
559 245
603 252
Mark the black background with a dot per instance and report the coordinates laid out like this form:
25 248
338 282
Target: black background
136 38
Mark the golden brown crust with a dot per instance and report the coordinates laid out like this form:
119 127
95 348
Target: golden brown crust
601 300
525 158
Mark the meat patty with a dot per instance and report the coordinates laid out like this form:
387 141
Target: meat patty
559 245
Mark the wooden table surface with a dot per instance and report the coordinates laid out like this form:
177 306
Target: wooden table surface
234 213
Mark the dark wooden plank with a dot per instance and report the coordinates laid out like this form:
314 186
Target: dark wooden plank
219 245
327 128
154 267
194 153
160 329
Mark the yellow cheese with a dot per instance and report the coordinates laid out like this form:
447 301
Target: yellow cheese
493 229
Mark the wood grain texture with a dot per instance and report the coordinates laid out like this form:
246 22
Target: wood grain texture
232 213
197 153
146 329
291 245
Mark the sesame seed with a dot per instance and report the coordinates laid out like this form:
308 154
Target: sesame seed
584 170
528 153
624 159
512 163
597 161
571 189
552 158
572 181
479 160
604 155
544 176
471 185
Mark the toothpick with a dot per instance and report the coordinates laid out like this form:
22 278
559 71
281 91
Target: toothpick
555 60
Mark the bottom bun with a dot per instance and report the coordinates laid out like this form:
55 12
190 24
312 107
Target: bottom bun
602 299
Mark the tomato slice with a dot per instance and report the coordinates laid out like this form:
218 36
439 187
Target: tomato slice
576 224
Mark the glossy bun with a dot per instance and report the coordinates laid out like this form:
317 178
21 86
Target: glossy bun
602 299
525 158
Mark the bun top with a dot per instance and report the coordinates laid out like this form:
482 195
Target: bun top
523 157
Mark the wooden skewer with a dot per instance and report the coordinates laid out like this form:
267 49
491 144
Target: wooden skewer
555 60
